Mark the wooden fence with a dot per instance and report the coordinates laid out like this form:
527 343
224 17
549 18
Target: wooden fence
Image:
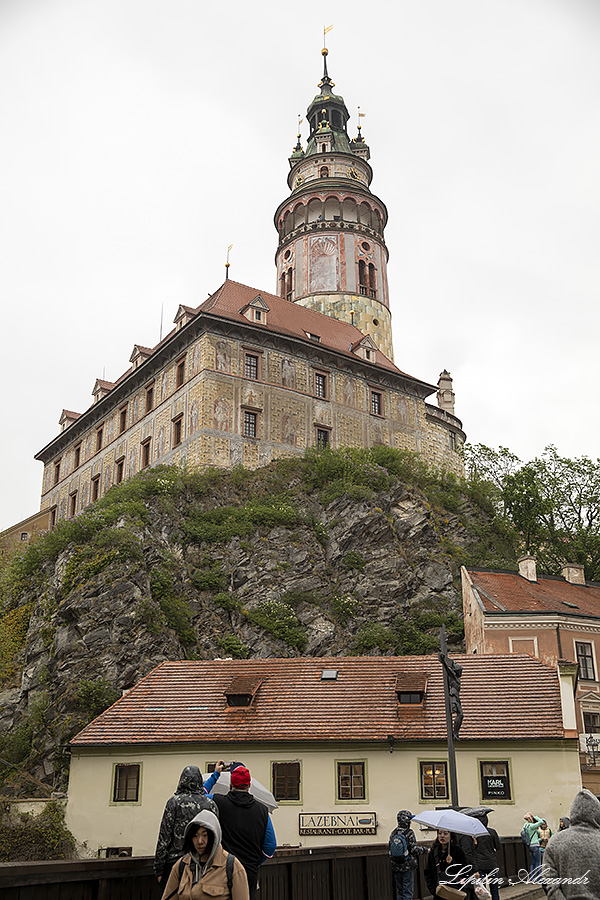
329 873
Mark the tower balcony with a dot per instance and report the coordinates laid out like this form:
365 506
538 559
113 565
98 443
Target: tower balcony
329 225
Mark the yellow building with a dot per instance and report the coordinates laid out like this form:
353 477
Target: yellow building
247 376
343 743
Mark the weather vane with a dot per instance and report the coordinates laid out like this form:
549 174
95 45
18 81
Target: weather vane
227 263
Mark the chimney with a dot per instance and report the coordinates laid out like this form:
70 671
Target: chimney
573 573
527 567
445 394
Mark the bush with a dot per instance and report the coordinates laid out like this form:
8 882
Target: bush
344 607
220 525
226 601
96 696
232 646
176 611
15 747
353 560
374 636
13 632
280 620
28 837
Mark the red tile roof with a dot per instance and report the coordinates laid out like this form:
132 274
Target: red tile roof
515 594
504 697
285 317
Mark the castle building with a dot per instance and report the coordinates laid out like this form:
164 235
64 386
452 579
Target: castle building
249 376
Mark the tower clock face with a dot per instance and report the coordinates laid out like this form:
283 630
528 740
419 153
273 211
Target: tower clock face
353 173
299 180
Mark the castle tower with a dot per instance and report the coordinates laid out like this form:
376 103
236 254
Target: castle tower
332 255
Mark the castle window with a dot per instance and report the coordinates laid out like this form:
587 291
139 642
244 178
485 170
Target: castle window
257 315
146 453
72 504
180 372
362 278
372 281
323 435
95 492
324 172
251 366
177 430
77 456
119 470
452 437
53 516
288 285
122 419
99 434
57 471
150 397
376 403
250 424
321 385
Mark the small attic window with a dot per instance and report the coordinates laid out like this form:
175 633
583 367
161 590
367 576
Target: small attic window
410 697
567 603
410 688
242 691
314 337
329 675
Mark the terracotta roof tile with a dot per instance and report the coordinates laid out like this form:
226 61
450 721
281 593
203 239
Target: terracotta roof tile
504 697
516 594
285 317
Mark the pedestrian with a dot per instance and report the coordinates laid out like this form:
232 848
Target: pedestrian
404 853
247 828
445 852
487 847
545 833
188 800
530 836
572 857
563 823
206 871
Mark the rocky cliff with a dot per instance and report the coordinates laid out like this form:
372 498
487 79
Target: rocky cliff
333 554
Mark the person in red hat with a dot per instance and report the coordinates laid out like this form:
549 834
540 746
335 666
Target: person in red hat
248 832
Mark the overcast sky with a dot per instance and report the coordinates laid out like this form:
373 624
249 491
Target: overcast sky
141 137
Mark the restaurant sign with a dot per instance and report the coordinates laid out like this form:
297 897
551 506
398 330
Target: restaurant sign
338 823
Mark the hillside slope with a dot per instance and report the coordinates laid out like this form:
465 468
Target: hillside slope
333 554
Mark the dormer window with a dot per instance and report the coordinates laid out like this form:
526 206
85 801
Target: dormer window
410 688
242 691
257 315
256 311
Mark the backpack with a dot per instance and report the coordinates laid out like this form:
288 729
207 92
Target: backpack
398 847
526 835
228 871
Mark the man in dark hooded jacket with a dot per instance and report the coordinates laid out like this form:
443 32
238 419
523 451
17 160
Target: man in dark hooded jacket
572 857
188 800
404 870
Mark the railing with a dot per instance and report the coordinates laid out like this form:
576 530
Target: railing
327 873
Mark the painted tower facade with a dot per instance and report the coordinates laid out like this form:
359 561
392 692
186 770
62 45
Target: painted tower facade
332 256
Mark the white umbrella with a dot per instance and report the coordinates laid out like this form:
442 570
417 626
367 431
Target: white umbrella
451 820
257 789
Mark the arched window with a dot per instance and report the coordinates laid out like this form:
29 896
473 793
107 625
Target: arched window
315 209
362 278
372 281
332 209
350 210
282 285
288 285
324 172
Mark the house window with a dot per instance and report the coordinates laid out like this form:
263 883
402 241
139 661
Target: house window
351 781
126 785
149 397
286 780
146 453
321 385
251 366
177 430
119 470
57 471
180 372
376 403
24 535
585 659
122 419
591 723
434 781
495 780
77 456
257 315
250 424
72 504
99 434
410 697
322 438
95 488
